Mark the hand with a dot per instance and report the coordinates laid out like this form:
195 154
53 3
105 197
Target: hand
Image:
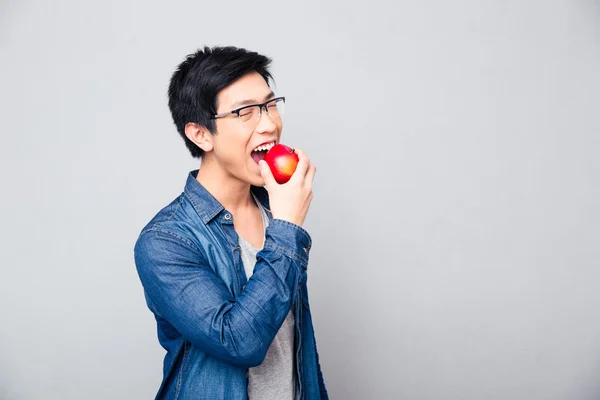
290 201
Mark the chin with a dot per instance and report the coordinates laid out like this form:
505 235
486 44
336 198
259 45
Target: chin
257 182
254 177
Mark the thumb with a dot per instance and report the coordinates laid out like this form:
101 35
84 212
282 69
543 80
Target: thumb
266 173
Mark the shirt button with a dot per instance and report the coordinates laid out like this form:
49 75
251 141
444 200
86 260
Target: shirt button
228 216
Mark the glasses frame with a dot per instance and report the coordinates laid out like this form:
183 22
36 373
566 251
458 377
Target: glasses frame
261 106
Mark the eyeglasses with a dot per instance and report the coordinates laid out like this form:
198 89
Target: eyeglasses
249 115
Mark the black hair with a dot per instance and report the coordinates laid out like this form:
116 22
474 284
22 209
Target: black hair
197 81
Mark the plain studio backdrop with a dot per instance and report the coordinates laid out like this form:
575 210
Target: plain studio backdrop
456 220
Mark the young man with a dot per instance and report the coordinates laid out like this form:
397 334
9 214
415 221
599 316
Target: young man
224 266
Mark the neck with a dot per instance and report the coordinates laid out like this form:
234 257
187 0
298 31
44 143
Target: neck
231 192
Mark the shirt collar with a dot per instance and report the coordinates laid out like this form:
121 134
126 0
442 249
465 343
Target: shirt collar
205 203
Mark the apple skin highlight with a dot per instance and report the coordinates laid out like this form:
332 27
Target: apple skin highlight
282 160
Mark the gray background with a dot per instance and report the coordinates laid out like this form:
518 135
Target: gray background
455 219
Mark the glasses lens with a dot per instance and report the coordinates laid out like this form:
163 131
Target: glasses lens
249 114
276 108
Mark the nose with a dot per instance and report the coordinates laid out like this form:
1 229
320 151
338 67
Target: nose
265 123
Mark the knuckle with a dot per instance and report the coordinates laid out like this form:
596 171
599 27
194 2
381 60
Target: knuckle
301 153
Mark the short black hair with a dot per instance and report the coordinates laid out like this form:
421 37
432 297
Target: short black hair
197 81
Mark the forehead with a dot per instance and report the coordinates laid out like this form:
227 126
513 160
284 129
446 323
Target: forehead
250 88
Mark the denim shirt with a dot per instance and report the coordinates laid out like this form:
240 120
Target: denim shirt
213 322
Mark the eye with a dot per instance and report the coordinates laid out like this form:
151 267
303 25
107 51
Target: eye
247 114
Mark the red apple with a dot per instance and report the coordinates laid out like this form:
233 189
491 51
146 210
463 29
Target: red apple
282 161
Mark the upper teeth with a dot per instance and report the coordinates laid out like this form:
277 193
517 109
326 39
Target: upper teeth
264 147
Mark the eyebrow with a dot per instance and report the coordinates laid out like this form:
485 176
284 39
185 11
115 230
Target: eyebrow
251 101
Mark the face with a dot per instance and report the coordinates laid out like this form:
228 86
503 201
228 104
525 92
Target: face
235 141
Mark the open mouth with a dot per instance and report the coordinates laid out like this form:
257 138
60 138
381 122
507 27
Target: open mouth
259 152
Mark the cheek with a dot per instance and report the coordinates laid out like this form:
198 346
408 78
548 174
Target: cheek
235 153
231 146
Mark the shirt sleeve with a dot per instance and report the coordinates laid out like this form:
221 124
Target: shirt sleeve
186 292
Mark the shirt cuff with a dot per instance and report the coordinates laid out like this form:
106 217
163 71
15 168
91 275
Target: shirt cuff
289 239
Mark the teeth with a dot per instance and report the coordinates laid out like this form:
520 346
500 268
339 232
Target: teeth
264 147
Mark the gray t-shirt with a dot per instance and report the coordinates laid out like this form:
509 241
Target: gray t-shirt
275 378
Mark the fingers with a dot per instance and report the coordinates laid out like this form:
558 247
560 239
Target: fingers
302 167
310 175
266 173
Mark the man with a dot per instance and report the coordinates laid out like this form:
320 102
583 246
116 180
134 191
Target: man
224 265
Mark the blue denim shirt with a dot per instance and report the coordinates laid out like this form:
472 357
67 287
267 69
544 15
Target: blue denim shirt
213 322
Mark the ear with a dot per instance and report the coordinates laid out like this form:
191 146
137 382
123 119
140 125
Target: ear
200 136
